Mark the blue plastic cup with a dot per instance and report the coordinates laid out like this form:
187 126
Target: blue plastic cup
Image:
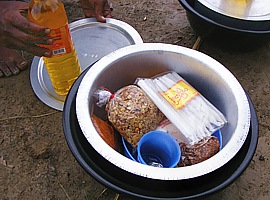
218 135
159 149
129 151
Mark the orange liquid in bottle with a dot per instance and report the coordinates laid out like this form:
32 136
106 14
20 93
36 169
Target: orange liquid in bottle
63 67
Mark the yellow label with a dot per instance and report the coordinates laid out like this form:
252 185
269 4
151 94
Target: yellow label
179 94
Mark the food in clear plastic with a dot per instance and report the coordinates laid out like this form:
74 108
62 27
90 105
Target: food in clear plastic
168 127
105 131
131 112
201 151
183 105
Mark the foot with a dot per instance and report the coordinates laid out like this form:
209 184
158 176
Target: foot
11 62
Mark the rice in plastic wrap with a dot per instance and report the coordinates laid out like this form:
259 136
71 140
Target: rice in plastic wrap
132 113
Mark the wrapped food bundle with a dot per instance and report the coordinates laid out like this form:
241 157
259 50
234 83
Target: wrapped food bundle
194 116
193 154
131 112
105 131
168 127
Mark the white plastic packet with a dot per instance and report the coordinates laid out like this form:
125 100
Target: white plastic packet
183 105
166 126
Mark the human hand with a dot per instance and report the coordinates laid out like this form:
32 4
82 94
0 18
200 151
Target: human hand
17 32
96 8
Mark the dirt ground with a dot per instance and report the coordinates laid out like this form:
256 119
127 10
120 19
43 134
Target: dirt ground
35 161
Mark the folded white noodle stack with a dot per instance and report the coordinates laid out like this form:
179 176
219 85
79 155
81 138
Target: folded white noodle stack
184 106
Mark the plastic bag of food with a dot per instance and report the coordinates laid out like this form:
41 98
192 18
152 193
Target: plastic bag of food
131 112
167 126
184 106
193 154
106 132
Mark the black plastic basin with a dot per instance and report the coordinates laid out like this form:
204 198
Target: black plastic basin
127 183
235 33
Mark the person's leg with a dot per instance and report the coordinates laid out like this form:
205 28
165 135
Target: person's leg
11 62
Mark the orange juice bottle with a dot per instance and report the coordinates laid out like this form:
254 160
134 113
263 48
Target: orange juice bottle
63 66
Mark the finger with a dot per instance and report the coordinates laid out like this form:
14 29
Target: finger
99 11
13 43
100 18
32 48
37 50
21 5
107 13
18 35
25 25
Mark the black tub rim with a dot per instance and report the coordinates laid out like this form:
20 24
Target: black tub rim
190 9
